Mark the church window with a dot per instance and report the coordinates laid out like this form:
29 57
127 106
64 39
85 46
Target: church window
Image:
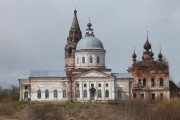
139 83
142 95
77 84
70 51
107 93
64 93
152 82
46 94
134 95
161 82
178 95
119 94
85 93
39 94
106 84
91 59
99 85
83 59
26 87
98 59
77 60
55 94
153 96
99 94
144 82
77 94
85 85
92 85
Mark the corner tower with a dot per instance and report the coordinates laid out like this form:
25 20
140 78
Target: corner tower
72 40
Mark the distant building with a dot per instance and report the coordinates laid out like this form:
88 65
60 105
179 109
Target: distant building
86 77
150 77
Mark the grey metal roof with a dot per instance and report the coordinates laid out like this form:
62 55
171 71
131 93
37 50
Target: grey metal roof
122 75
89 42
23 76
47 73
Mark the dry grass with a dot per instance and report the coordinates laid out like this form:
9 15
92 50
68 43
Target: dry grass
164 110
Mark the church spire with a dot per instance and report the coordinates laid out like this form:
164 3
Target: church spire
147 45
75 23
72 40
134 56
160 56
89 30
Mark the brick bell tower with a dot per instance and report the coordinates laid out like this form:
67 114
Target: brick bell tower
72 40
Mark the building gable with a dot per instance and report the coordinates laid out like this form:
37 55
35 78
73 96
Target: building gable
93 74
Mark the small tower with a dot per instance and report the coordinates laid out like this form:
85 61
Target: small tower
147 55
72 40
160 56
134 57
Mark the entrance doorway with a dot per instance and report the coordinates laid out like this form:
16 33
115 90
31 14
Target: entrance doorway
92 93
26 96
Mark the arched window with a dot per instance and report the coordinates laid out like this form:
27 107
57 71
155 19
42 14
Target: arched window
77 94
107 93
161 82
119 94
64 93
77 60
99 94
46 94
85 93
70 51
39 94
144 82
91 59
152 82
55 94
83 59
98 59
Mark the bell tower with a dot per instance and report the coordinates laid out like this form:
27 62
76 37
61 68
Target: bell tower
72 40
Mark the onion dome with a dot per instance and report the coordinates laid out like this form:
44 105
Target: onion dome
160 56
89 41
134 55
147 46
75 11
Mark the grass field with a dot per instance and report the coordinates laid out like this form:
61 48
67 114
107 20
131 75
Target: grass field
136 110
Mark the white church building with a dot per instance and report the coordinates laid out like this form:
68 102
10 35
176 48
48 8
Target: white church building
85 77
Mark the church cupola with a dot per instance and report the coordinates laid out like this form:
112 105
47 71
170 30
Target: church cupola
89 30
90 52
160 56
147 45
72 40
134 57
147 55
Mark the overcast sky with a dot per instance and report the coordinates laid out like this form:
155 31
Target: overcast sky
33 32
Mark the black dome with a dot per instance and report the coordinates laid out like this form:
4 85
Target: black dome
147 46
160 56
134 55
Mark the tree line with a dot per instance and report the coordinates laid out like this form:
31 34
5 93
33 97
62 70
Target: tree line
11 93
